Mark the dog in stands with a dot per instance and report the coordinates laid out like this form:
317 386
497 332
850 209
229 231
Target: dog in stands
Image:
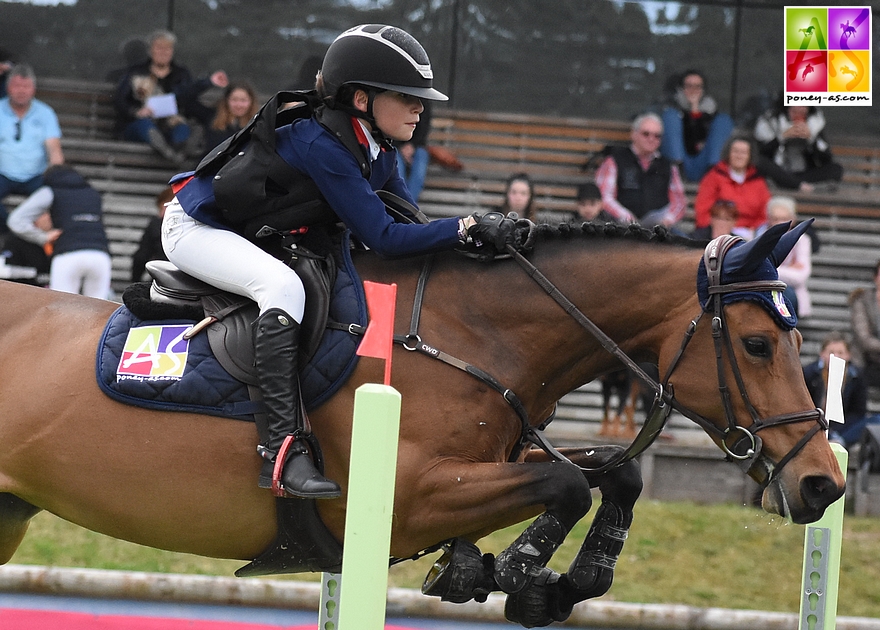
619 421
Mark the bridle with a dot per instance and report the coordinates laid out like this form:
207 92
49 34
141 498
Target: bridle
741 444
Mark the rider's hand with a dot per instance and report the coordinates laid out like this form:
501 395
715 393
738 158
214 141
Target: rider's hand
494 229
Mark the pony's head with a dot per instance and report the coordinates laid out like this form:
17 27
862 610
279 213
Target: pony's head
760 412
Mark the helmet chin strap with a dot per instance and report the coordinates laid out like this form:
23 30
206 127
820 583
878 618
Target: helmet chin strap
367 116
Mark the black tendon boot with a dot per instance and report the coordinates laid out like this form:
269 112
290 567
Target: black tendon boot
276 342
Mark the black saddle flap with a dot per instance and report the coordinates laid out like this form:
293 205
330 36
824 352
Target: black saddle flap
318 274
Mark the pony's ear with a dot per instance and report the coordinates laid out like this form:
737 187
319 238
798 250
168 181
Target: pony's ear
744 259
787 241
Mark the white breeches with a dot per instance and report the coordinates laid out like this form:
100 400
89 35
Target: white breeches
85 271
230 262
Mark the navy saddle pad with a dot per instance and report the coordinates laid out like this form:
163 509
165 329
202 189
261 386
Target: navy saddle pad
149 364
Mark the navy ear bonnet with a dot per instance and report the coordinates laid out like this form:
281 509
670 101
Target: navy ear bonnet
749 261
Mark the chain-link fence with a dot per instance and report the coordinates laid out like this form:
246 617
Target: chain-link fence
595 59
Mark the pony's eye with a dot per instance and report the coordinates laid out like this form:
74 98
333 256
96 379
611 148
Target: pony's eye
757 347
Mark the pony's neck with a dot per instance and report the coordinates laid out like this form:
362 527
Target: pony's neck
640 295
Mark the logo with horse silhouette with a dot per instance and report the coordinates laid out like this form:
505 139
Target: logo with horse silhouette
828 55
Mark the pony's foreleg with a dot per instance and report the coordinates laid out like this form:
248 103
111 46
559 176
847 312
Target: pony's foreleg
15 515
501 495
592 570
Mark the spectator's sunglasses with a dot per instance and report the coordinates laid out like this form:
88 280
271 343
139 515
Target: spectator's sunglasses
17 130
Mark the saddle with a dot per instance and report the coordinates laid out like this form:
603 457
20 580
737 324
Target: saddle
227 317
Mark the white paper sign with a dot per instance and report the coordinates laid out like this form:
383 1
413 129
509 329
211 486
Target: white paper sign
163 105
834 397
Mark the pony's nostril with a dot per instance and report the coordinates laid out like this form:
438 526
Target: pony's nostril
820 491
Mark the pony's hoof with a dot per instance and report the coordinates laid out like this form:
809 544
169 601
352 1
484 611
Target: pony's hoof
537 606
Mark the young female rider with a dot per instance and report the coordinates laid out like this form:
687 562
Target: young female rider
371 84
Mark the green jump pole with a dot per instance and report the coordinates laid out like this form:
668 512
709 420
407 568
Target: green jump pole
360 605
821 575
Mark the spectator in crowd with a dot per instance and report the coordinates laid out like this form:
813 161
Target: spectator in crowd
695 130
519 197
638 184
413 157
167 130
18 252
30 137
854 393
80 252
722 220
234 111
7 61
588 205
793 151
5 67
133 51
734 179
864 305
150 246
795 270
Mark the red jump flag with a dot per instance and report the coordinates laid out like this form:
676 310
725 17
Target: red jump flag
379 338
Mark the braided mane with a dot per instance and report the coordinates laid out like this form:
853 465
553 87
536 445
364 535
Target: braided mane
633 231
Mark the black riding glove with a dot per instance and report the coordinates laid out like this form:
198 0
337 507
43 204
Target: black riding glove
493 229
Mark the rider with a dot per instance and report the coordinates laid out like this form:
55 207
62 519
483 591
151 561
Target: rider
371 86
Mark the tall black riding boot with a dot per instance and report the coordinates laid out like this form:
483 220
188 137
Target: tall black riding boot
276 343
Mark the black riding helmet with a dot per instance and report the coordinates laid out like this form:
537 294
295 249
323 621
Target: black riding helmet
382 57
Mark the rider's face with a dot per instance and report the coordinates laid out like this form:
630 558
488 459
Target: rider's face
396 114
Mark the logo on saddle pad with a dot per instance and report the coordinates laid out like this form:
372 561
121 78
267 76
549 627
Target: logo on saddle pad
154 353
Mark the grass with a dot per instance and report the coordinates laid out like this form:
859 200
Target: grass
720 555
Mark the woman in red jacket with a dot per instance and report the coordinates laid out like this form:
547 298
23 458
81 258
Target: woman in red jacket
734 179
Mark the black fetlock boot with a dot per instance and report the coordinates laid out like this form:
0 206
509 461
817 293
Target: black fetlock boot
276 343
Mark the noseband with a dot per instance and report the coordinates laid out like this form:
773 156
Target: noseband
742 444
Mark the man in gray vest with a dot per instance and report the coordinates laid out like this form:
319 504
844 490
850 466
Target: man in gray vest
639 185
